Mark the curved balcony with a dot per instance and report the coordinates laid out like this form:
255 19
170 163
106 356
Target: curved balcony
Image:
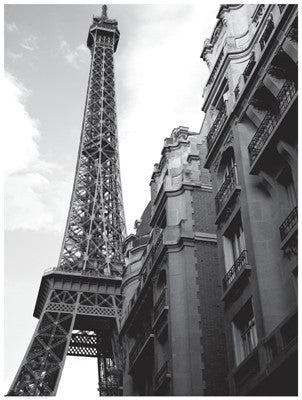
270 121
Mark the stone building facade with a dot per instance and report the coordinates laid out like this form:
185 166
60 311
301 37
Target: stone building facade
250 105
210 283
172 328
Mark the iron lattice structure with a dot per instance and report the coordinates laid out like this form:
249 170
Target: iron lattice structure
96 225
79 302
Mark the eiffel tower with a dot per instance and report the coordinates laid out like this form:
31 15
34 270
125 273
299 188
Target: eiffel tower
79 301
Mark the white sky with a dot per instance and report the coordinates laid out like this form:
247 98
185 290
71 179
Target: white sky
159 81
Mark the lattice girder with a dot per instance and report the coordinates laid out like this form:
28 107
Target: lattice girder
53 339
96 225
82 293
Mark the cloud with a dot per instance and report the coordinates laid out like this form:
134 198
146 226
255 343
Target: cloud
30 181
14 56
30 43
75 56
11 27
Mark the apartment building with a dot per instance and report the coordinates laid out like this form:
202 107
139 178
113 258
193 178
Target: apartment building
250 105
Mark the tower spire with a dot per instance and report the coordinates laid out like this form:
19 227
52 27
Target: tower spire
104 12
79 302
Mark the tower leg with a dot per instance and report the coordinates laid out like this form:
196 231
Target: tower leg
41 368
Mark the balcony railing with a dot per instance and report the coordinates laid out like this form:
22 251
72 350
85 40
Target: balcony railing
138 346
215 128
290 222
162 375
249 67
226 189
266 34
270 120
160 304
239 264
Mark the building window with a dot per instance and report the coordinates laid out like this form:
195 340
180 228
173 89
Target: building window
228 168
244 332
233 243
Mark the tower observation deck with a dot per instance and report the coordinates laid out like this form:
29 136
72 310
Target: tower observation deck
78 304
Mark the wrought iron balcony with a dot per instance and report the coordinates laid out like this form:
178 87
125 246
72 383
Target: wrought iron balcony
216 127
139 346
270 120
238 266
290 222
249 67
162 375
160 306
226 189
266 34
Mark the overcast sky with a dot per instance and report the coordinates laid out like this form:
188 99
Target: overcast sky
159 81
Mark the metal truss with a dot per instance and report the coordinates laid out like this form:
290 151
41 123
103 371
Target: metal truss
55 338
79 320
96 225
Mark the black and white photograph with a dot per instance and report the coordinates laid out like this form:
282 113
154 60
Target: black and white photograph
150 156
